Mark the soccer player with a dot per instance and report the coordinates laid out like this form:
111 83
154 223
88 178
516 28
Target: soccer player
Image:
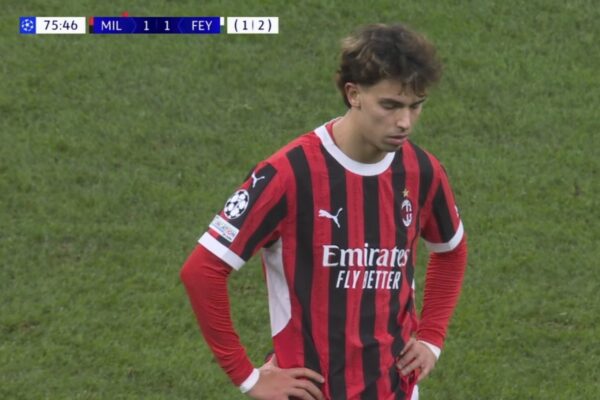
338 213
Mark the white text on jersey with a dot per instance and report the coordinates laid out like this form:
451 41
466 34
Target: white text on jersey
334 256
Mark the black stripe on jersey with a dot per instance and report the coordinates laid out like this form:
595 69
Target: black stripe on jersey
254 191
442 215
425 174
368 307
394 329
303 275
337 297
267 226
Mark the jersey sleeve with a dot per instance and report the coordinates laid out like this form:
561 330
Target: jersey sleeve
249 219
205 279
443 228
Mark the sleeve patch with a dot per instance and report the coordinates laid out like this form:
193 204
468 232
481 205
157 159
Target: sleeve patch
224 228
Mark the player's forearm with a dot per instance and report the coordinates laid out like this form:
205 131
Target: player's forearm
205 279
444 277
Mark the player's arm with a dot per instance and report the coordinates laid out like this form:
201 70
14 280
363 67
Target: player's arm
444 235
443 281
205 278
249 220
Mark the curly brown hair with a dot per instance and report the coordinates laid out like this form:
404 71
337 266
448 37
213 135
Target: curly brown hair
381 51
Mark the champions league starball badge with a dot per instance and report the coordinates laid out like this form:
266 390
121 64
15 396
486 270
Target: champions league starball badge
27 25
236 204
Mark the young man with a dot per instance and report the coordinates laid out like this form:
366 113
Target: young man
338 212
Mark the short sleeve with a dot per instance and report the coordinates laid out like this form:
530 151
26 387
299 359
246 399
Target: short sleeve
443 229
250 218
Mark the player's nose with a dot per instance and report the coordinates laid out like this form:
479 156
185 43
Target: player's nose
403 119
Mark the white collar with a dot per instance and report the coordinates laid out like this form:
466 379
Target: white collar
348 163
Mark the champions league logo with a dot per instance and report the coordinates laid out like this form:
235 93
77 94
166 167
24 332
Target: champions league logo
27 25
237 204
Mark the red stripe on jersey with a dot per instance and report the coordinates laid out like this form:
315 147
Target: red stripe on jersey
387 240
321 278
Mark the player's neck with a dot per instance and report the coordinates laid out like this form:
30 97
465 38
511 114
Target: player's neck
350 140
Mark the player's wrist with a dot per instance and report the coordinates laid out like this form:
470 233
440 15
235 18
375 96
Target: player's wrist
434 349
250 381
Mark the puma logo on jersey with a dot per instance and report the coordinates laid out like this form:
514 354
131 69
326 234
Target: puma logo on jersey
255 179
326 214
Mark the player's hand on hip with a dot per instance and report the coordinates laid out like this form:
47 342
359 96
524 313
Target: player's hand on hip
416 355
280 384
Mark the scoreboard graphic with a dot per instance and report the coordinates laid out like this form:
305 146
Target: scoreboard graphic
127 25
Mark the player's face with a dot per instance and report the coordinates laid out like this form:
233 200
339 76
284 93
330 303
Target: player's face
385 114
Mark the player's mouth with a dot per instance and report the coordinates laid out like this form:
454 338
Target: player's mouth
397 140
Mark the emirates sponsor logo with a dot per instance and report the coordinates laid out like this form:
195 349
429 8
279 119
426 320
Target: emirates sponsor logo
334 256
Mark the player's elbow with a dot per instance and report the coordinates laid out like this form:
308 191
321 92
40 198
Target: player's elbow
190 271
202 268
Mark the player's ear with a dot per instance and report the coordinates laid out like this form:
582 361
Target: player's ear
352 94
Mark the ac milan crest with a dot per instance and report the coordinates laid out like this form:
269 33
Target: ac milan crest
406 212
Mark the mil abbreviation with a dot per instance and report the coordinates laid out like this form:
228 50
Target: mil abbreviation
111 26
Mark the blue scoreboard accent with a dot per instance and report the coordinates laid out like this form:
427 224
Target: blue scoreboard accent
27 25
154 25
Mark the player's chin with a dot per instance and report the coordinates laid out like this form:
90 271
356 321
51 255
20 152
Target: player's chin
389 147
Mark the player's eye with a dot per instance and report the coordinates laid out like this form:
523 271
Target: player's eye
389 106
417 105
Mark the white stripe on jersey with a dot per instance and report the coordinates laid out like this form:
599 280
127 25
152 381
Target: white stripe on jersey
280 307
215 247
448 246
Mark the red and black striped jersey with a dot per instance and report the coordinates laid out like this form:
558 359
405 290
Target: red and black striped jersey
340 240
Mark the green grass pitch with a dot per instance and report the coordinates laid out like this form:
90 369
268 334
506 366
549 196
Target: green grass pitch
116 151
